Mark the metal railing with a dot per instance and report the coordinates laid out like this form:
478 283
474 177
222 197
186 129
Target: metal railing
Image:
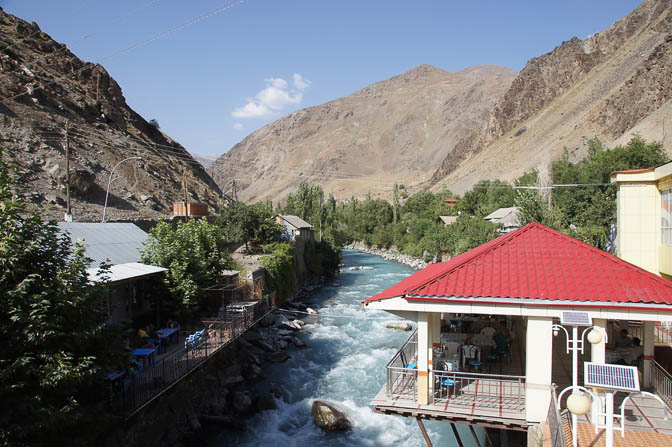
402 381
554 421
136 391
663 333
480 390
661 381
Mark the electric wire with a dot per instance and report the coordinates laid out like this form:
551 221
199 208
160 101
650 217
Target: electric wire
141 43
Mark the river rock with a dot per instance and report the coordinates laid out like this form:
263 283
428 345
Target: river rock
263 345
329 418
267 321
366 267
299 322
278 357
284 332
253 372
298 342
400 326
293 325
266 402
282 344
310 311
242 403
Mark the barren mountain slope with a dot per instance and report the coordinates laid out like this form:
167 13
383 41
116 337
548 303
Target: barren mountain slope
396 130
606 85
43 85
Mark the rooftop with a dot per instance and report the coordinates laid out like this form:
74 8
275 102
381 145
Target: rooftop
295 221
532 264
118 243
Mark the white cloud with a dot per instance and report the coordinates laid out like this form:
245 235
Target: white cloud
238 126
273 98
300 82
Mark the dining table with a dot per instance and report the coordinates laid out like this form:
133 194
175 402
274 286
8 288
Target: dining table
146 356
167 334
458 337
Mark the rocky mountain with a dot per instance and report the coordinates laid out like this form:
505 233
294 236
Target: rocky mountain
44 90
398 130
613 84
429 128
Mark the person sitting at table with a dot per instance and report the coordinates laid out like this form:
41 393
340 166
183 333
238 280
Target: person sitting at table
636 351
469 352
171 324
143 334
505 330
623 341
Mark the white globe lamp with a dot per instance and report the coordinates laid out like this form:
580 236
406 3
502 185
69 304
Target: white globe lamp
578 404
594 337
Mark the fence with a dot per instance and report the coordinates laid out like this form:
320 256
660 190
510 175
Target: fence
554 421
661 381
480 390
402 381
140 389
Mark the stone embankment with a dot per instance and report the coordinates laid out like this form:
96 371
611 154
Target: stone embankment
390 254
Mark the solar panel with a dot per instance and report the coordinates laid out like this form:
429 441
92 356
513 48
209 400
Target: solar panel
574 318
615 377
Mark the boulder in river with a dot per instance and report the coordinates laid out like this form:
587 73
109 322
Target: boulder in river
400 326
329 418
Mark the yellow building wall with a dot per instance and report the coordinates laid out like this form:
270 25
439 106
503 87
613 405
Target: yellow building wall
639 225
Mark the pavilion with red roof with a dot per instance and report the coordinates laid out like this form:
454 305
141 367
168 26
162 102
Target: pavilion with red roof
529 276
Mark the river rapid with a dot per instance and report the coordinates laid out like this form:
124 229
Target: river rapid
343 365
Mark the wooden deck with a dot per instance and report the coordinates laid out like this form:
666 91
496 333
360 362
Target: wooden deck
484 410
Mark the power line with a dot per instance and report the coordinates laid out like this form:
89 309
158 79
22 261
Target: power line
141 43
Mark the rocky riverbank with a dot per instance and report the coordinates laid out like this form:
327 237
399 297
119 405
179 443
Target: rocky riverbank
390 255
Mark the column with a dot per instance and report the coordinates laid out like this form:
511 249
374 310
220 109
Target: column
538 367
649 330
436 329
597 351
424 357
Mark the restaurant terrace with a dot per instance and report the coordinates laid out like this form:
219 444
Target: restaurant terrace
484 352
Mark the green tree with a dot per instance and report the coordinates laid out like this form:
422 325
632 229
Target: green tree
195 254
51 325
248 223
279 266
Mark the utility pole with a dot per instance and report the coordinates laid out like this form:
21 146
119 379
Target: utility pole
235 191
68 211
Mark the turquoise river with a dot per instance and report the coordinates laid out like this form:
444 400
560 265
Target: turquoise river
344 365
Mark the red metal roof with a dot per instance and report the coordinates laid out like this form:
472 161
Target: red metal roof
632 171
535 262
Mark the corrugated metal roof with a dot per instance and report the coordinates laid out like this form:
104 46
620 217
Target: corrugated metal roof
120 243
448 220
121 272
535 262
295 221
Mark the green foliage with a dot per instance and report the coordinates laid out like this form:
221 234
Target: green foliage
279 265
322 258
485 197
195 254
51 325
248 223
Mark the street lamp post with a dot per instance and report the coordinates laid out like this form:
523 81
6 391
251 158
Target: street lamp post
109 182
576 403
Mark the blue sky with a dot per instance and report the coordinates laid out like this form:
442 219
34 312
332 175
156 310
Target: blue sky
213 71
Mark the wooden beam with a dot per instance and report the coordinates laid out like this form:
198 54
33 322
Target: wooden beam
424 431
473 433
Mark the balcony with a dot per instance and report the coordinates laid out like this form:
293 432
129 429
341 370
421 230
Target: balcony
486 399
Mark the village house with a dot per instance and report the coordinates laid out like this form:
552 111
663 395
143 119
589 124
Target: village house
507 218
119 245
295 227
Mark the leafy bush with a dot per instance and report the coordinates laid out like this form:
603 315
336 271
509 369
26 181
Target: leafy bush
279 265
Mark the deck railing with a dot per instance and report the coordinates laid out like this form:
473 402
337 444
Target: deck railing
137 391
480 390
661 381
402 381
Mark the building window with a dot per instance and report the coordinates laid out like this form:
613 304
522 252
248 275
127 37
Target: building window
666 216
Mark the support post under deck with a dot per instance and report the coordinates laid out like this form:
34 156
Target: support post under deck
424 431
